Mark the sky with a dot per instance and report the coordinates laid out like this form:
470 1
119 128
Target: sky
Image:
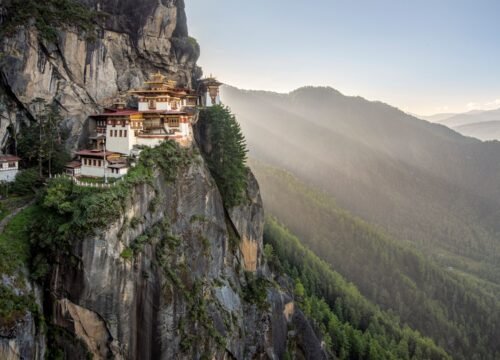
423 56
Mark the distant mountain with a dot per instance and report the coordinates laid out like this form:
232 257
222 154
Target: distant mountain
435 117
483 125
472 117
421 182
486 130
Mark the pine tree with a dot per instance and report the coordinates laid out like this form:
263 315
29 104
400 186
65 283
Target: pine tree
228 153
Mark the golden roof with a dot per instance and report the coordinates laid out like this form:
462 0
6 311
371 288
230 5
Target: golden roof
157 78
211 81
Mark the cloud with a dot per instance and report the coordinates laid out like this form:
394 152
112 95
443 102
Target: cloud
490 105
442 109
473 106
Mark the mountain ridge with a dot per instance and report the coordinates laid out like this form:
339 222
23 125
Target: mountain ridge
389 168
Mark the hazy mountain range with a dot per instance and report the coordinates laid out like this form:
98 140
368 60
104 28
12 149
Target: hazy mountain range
420 183
483 125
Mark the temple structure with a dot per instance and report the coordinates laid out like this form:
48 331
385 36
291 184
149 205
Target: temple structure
9 167
164 111
209 92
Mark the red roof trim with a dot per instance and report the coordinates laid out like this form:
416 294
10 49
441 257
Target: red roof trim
73 165
6 158
95 153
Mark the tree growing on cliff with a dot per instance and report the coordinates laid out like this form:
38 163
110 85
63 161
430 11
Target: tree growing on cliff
48 16
228 153
42 143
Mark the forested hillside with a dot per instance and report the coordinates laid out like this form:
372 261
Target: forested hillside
420 182
462 315
352 327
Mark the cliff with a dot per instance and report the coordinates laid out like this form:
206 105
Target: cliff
79 74
160 269
157 268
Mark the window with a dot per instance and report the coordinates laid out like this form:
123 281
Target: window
12 164
121 133
173 122
124 133
94 162
111 133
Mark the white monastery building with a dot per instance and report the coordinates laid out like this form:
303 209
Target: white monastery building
9 167
164 111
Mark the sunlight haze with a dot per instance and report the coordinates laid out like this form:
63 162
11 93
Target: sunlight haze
424 57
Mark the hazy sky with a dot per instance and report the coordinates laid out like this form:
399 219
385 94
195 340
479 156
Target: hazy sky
424 56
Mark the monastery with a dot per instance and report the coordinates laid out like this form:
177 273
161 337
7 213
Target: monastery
9 167
164 111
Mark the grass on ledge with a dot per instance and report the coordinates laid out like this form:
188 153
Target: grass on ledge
15 241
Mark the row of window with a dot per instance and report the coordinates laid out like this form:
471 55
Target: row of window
93 162
98 163
8 165
118 122
173 122
118 133
152 105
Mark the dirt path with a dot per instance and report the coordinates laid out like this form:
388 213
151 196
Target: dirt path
6 219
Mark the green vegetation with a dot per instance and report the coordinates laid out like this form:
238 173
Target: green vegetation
193 41
41 144
48 16
14 255
459 314
7 206
352 327
62 344
255 291
27 182
71 212
227 157
14 307
419 181
15 241
127 254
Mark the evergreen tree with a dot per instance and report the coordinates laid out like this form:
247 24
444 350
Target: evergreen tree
42 143
228 152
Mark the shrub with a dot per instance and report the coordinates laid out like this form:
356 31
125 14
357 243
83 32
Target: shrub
70 213
127 254
48 16
256 290
27 182
14 307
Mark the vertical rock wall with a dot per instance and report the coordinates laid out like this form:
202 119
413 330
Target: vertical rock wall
80 75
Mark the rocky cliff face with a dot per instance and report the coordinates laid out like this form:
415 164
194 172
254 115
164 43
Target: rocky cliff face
196 285
80 75
188 292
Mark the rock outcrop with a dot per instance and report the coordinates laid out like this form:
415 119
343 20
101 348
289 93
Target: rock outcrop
21 337
183 295
81 75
